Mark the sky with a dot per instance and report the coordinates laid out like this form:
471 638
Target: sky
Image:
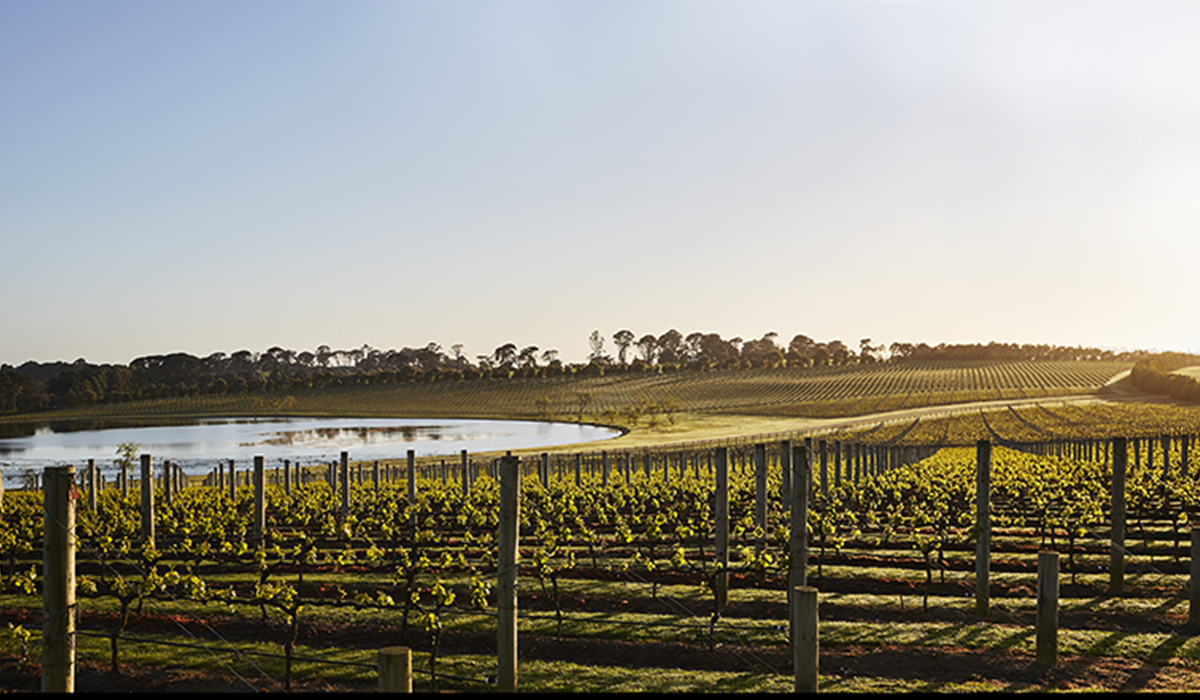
223 175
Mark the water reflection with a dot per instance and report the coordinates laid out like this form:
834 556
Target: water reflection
199 446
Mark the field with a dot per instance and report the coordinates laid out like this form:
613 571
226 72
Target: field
670 407
618 560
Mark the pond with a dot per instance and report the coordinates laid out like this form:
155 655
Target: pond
199 446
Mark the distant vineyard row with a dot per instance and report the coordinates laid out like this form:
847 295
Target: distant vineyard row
630 398
1035 424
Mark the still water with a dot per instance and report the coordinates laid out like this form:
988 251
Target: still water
199 446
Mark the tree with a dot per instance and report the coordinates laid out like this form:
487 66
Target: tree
839 354
623 338
801 351
866 351
762 352
670 347
648 346
127 454
596 344
528 357
504 356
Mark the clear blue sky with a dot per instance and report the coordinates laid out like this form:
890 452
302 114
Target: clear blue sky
215 176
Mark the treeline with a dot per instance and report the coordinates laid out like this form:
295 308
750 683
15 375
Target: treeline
37 386
1154 375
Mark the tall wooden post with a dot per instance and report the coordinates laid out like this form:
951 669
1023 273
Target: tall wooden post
508 561
605 466
760 496
1185 443
147 484
785 466
1166 450
93 487
344 483
823 450
232 482
259 526
721 528
1116 571
798 544
466 473
810 450
1047 608
166 481
58 587
983 526
806 648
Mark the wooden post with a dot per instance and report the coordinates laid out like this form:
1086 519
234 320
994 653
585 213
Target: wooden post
810 450
604 468
983 526
837 463
721 528
1116 570
798 545
166 481
344 482
760 496
578 470
823 450
1166 450
466 473
232 481
1184 445
805 641
1047 608
508 561
785 466
1194 581
259 526
93 477
58 587
395 670
412 477
147 501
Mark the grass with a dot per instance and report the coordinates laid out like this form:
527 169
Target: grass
713 405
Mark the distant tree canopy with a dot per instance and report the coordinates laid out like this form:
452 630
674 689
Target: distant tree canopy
36 386
1153 374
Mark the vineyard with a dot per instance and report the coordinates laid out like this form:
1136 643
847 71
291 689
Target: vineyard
631 579
813 392
656 566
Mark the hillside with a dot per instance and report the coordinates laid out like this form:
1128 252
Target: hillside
635 399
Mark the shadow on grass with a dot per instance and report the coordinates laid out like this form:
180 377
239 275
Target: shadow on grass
1170 648
1018 639
1105 645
